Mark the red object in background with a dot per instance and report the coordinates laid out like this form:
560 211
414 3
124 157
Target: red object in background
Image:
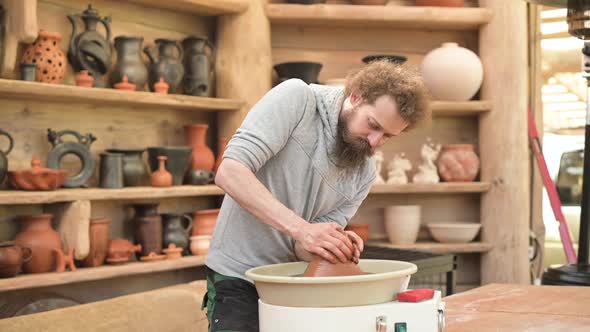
416 295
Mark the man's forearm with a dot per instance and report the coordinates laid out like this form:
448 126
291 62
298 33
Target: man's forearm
243 186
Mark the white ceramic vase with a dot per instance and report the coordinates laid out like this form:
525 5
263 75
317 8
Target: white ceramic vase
200 244
452 72
402 223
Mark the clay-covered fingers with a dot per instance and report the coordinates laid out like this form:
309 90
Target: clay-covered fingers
327 255
356 239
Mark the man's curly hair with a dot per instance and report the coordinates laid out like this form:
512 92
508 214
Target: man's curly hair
403 84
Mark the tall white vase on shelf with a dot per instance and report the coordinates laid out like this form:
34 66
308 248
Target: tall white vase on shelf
402 223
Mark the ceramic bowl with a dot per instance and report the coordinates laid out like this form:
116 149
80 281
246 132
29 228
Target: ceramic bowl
454 232
200 244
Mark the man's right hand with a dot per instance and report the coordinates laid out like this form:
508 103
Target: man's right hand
327 240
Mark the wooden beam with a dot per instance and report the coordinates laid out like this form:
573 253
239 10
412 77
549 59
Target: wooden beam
435 188
463 108
439 248
200 7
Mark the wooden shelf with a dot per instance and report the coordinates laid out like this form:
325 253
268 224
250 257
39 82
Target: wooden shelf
407 17
68 195
13 89
436 247
436 188
200 7
465 108
35 280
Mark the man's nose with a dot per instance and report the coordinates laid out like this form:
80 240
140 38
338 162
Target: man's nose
375 139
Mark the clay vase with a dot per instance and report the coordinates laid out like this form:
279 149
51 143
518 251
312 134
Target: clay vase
441 3
120 250
36 233
200 245
320 267
369 2
202 156
175 232
83 79
12 257
204 222
99 242
161 87
161 177
221 148
402 223
46 54
452 73
129 62
458 163
361 230
148 228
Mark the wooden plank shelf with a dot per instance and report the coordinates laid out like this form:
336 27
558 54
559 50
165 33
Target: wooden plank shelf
13 89
199 7
465 108
34 280
436 247
406 17
94 194
435 188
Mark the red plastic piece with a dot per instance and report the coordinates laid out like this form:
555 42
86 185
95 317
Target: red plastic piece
416 295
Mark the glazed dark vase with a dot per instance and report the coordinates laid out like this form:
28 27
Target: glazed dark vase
135 172
80 148
175 231
165 64
305 71
177 163
148 228
129 62
198 58
398 59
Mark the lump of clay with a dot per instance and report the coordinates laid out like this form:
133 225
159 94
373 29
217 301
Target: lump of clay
320 267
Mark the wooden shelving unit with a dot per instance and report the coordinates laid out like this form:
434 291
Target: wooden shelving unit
24 281
436 247
199 7
408 17
13 89
465 108
436 188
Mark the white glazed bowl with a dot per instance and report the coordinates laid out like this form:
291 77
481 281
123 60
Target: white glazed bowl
200 244
384 279
454 232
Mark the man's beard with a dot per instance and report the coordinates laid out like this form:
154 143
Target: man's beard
350 152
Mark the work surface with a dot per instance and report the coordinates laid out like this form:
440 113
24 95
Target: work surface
506 307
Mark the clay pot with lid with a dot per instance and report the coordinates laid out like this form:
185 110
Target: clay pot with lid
12 257
148 228
172 252
320 267
458 163
204 222
37 178
83 79
120 250
36 233
46 54
99 242
124 85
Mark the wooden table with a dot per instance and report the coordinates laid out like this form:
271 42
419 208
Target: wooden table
506 307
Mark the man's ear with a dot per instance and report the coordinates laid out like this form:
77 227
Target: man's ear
355 99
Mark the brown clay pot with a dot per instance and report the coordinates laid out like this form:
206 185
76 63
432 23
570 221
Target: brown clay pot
441 3
369 2
148 228
161 86
202 156
37 178
99 242
222 144
161 177
125 85
361 230
36 233
64 260
12 257
83 79
204 222
120 250
320 267
50 59
458 163
172 252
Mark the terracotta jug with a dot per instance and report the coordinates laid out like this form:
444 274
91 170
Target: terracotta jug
458 163
221 148
202 156
441 3
12 257
99 242
50 59
320 267
36 233
148 228
204 222
161 177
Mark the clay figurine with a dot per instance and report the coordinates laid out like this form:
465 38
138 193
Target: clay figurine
397 168
378 157
64 260
427 171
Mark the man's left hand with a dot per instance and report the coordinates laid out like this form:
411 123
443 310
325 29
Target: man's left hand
357 243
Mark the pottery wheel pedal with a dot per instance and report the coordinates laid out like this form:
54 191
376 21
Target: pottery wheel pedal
419 310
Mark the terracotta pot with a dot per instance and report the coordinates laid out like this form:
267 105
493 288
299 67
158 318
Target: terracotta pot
99 242
458 163
161 177
441 3
120 250
124 85
37 178
452 73
361 230
402 223
200 244
202 156
148 228
369 2
12 257
36 233
161 86
221 145
50 59
83 79
172 252
204 222
320 267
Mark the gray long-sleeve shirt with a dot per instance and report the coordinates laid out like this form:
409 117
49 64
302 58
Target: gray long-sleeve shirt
285 140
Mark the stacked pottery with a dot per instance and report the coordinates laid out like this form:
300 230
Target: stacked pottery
203 227
36 233
49 59
458 163
99 242
402 223
148 228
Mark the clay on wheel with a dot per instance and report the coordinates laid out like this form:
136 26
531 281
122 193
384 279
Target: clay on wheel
320 267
